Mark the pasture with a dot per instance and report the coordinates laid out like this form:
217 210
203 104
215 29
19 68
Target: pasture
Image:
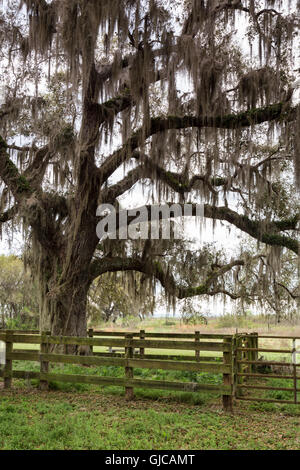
86 416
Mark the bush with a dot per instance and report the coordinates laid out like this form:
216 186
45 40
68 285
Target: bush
19 323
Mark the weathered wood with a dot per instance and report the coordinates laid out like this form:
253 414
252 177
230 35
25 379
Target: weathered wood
9 362
167 344
227 377
135 383
270 363
25 374
90 335
121 361
161 335
182 345
87 379
279 337
287 351
24 332
266 400
173 365
263 387
26 339
128 367
179 386
86 341
197 339
113 333
234 365
294 360
255 353
142 336
44 365
164 357
266 376
239 370
17 350
24 356
247 353
186 345
84 360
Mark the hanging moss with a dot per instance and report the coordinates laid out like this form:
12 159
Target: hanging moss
110 55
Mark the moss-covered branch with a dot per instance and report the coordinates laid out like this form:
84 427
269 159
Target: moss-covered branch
262 230
160 124
9 173
154 269
9 214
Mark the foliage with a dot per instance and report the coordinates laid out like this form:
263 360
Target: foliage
18 295
110 299
94 88
88 420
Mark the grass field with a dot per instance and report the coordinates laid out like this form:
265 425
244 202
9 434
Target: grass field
81 416
31 419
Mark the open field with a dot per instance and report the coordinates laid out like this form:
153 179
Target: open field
226 324
215 326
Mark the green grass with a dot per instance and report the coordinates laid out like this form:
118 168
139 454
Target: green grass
30 419
82 416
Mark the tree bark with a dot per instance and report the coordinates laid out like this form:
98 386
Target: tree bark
64 308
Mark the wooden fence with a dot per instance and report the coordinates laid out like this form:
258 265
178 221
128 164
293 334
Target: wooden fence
238 361
127 359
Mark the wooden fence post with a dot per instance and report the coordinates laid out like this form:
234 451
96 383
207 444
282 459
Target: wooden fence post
234 363
227 378
294 362
44 365
8 362
248 354
197 340
128 370
142 336
255 354
239 367
252 340
91 335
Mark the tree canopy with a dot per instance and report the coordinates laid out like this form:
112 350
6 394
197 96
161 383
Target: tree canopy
193 102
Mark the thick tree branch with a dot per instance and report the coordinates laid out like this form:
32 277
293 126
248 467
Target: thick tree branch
264 231
180 183
148 170
9 173
9 214
154 269
293 296
193 22
230 121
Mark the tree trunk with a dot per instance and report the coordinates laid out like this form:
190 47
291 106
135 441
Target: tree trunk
65 313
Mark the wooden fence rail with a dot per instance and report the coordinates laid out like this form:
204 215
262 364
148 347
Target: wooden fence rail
128 360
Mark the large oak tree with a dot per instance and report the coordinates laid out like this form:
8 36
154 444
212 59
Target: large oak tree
96 88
